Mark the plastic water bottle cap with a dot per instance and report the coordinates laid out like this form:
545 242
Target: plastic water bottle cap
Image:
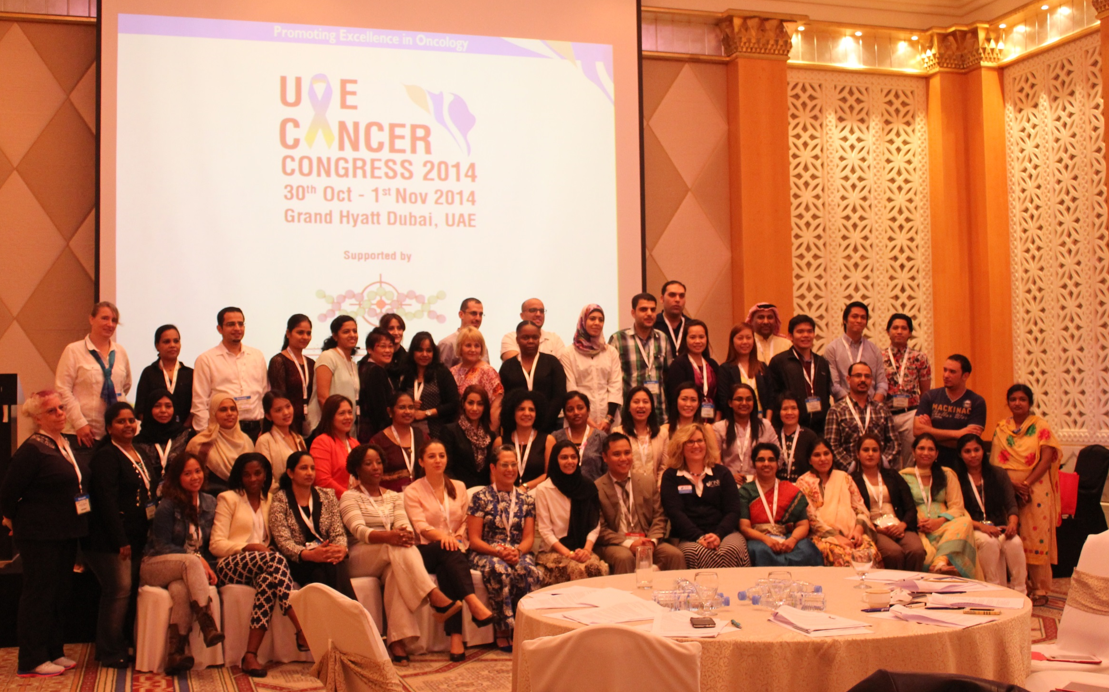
818 589
755 599
727 601
741 596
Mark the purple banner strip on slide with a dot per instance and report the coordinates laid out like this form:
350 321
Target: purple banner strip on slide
326 35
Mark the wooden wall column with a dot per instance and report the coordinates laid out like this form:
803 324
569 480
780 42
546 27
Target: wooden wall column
758 151
972 285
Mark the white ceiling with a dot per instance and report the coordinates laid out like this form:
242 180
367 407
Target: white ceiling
908 14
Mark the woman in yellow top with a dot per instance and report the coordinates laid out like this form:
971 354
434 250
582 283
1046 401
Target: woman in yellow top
1025 447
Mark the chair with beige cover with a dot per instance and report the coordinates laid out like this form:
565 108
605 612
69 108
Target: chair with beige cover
1084 627
346 644
611 657
279 644
152 621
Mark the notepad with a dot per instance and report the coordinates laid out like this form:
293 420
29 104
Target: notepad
630 611
966 601
941 618
814 623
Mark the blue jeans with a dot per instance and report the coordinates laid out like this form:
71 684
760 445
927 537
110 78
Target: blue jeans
119 580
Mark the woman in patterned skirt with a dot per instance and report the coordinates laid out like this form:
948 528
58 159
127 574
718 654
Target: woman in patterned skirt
241 541
501 524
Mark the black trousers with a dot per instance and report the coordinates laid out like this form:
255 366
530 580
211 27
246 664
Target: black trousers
335 576
47 580
452 571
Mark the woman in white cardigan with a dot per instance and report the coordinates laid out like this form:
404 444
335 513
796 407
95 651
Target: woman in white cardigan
279 441
383 539
241 542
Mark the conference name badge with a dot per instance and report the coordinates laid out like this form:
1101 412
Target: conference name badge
685 489
900 401
84 506
708 411
652 386
150 509
812 404
245 397
311 545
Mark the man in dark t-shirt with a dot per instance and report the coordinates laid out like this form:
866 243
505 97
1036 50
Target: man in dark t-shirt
951 411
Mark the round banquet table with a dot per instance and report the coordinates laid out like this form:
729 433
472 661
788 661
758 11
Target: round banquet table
767 656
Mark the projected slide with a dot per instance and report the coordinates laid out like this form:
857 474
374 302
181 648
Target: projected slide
329 170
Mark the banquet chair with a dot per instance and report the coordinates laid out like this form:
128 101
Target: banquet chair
613 657
895 681
151 623
367 590
279 644
1092 467
349 652
1082 630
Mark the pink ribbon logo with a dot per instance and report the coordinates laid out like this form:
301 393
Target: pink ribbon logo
320 103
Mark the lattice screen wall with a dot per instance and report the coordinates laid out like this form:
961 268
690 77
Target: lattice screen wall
861 225
1060 249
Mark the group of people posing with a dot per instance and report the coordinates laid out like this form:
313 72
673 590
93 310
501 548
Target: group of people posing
561 465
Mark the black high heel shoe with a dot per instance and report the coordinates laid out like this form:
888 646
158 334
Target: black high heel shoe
444 613
299 635
483 623
458 658
252 672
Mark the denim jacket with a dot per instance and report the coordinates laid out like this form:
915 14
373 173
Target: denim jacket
170 528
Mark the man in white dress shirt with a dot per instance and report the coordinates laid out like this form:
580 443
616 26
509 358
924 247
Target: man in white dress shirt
533 311
234 368
767 323
470 314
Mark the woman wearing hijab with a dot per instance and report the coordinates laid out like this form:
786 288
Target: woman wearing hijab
568 520
162 438
593 368
222 442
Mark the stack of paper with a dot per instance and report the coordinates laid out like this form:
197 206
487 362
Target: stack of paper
576 597
942 585
628 611
676 624
936 599
889 575
942 618
817 624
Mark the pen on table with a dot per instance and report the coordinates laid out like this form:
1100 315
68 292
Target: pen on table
876 610
943 607
735 623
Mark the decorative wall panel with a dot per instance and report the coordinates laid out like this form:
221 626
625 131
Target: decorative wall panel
861 226
1060 248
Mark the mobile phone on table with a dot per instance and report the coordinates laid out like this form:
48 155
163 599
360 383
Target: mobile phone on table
702 623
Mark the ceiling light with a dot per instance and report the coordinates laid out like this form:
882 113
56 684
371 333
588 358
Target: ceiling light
1044 7
1021 29
1064 10
1002 26
800 28
858 33
915 38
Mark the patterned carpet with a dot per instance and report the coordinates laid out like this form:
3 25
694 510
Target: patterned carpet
485 670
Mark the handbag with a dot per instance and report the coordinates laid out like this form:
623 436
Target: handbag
1068 493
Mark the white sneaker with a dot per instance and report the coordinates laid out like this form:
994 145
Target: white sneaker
44 670
66 663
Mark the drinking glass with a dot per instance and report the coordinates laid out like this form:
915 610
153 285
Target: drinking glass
861 560
706 583
644 566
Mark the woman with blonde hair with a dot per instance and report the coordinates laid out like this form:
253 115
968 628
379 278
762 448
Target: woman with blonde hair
700 497
472 369
93 374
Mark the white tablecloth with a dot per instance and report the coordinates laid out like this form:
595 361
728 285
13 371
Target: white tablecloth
765 656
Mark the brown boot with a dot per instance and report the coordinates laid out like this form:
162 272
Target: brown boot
177 661
208 628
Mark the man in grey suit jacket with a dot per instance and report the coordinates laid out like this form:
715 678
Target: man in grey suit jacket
631 513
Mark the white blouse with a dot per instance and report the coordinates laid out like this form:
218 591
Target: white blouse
344 380
79 379
552 516
598 377
274 447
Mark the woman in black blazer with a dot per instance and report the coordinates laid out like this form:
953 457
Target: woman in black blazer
124 491
437 403
469 441
168 373
45 502
743 365
884 490
694 364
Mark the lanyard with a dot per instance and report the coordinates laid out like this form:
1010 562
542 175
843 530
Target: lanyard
808 377
529 375
681 327
581 446
625 510
901 372
506 520
63 447
409 456
648 356
140 468
170 378
877 495
745 438
163 454
857 355
308 517
418 390
645 449
927 496
769 512
527 449
704 368
386 521
980 498
855 414
303 375
788 452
